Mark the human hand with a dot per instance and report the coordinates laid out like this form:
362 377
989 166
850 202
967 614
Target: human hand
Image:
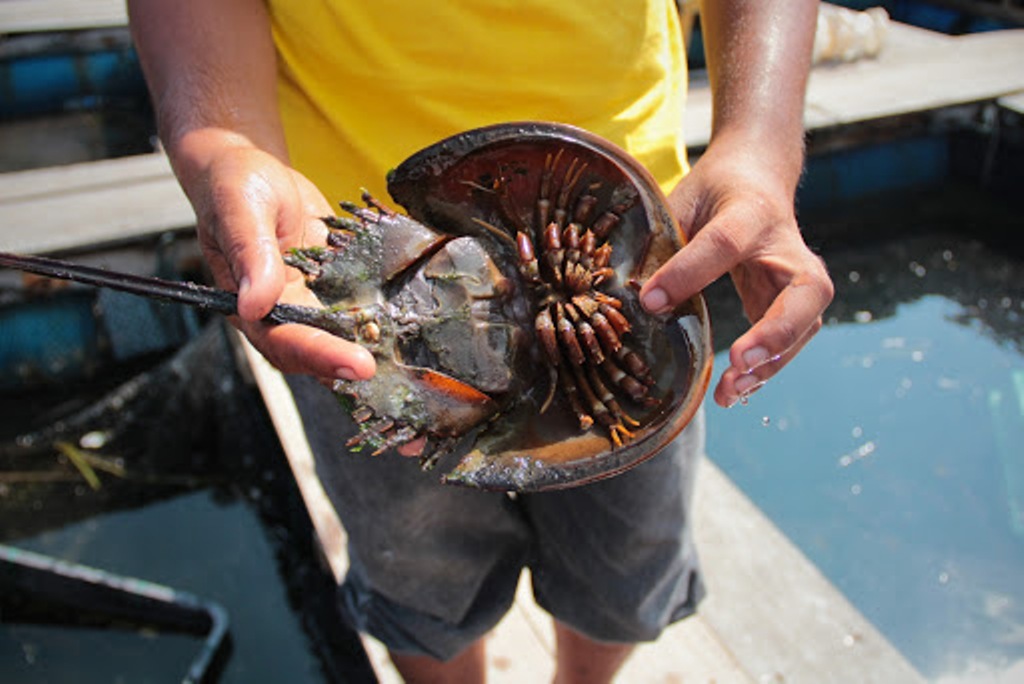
250 208
736 207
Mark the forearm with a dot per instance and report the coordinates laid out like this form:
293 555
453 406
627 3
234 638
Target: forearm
759 54
211 71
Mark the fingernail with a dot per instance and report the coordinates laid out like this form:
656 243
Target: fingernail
244 286
757 357
655 300
346 373
747 384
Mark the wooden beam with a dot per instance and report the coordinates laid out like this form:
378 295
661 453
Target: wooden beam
36 16
91 204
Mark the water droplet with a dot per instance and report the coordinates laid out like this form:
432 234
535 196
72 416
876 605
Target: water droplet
93 440
917 269
947 255
857 431
863 451
1006 302
856 490
766 421
917 356
854 277
943 577
863 317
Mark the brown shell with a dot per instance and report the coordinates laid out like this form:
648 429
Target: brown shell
449 187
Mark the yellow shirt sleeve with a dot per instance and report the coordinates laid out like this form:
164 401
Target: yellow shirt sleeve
364 84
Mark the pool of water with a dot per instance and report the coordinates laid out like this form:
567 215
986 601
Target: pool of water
194 494
891 451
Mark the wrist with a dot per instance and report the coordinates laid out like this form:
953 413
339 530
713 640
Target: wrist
771 154
195 152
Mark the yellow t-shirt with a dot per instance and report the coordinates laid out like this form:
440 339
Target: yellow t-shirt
364 84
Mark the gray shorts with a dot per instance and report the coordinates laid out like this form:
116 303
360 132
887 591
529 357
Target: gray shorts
435 567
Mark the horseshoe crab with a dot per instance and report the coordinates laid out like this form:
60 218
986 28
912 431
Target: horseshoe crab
503 310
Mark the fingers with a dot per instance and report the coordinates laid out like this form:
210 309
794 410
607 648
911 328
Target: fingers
789 323
251 207
784 287
301 349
